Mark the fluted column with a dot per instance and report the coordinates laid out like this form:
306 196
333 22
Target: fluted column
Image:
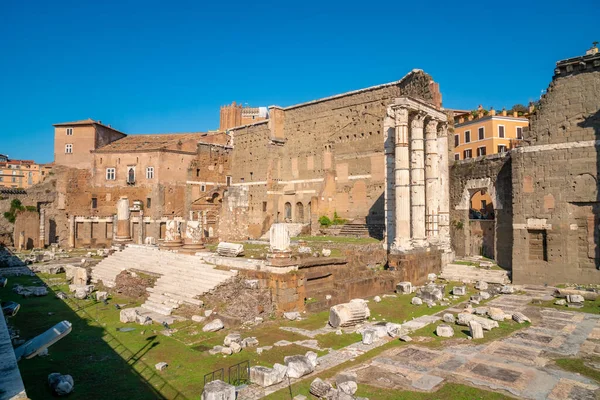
431 179
417 178
402 181
444 187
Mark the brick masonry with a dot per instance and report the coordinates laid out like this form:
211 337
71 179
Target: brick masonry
555 178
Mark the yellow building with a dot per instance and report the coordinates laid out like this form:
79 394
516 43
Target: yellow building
483 134
21 174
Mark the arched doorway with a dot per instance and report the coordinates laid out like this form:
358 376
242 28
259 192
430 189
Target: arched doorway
287 212
482 227
299 212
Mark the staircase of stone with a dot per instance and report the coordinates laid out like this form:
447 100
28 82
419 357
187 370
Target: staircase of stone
469 273
182 277
352 229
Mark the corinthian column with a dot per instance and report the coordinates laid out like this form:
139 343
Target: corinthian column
417 178
444 187
431 178
402 179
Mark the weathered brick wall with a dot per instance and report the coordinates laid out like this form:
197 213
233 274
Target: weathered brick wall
555 184
492 173
329 149
28 224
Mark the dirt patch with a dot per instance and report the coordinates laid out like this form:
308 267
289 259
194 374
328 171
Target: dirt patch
237 299
133 285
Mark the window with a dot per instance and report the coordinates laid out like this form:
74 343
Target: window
264 206
502 148
467 154
110 174
481 151
68 148
14 179
481 133
456 140
150 173
148 202
203 188
519 132
501 131
229 181
242 180
1 179
467 136
197 172
94 202
130 175
456 156
69 131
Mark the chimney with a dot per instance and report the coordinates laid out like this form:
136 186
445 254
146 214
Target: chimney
461 119
492 111
515 114
503 112
470 117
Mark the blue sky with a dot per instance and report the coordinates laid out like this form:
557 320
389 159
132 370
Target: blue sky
166 66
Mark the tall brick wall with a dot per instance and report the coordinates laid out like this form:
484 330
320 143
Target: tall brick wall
321 157
555 181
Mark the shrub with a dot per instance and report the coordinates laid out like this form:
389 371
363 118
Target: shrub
337 220
324 220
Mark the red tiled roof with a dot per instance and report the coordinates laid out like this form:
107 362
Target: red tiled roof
151 142
88 121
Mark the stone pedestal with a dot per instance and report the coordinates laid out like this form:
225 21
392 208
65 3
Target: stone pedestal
123 227
279 241
194 237
173 235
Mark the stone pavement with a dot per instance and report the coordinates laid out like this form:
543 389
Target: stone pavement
519 364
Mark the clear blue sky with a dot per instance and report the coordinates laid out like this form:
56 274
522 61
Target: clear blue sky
166 66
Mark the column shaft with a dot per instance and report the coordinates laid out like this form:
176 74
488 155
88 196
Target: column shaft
402 181
417 178
431 179
444 187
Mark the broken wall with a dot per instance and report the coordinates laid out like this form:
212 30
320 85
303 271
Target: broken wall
555 181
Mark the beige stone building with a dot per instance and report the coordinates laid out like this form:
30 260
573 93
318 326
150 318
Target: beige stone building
21 174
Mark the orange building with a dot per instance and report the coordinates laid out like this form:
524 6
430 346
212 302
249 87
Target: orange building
482 133
20 174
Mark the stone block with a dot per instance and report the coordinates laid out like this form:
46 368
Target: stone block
476 330
459 290
320 388
266 377
368 335
416 301
213 326
128 315
218 390
298 366
404 288
449 318
444 331
233 337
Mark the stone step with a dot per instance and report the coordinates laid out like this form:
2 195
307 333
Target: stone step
160 299
157 307
178 297
184 291
193 279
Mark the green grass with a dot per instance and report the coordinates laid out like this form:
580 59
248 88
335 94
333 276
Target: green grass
108 364
448 391
505 328
589 306
461 262
337 239
335 342
578 366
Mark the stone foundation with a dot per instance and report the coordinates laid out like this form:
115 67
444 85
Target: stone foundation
415 266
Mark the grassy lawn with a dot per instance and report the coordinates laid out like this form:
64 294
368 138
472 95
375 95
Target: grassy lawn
108 364
336 239
578 366
505 328
590 307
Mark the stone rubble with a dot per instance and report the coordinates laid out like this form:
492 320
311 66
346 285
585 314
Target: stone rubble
213 326
218 390
161 366
449 318
292 315
320 388
298 366
459 290
520 317
416 301
444 331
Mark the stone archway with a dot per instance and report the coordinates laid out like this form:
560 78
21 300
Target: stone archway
299 213
287 212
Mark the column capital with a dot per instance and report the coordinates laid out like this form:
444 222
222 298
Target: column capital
418 120
442 129
431 128
401 116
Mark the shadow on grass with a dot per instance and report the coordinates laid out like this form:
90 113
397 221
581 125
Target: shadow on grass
101 365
